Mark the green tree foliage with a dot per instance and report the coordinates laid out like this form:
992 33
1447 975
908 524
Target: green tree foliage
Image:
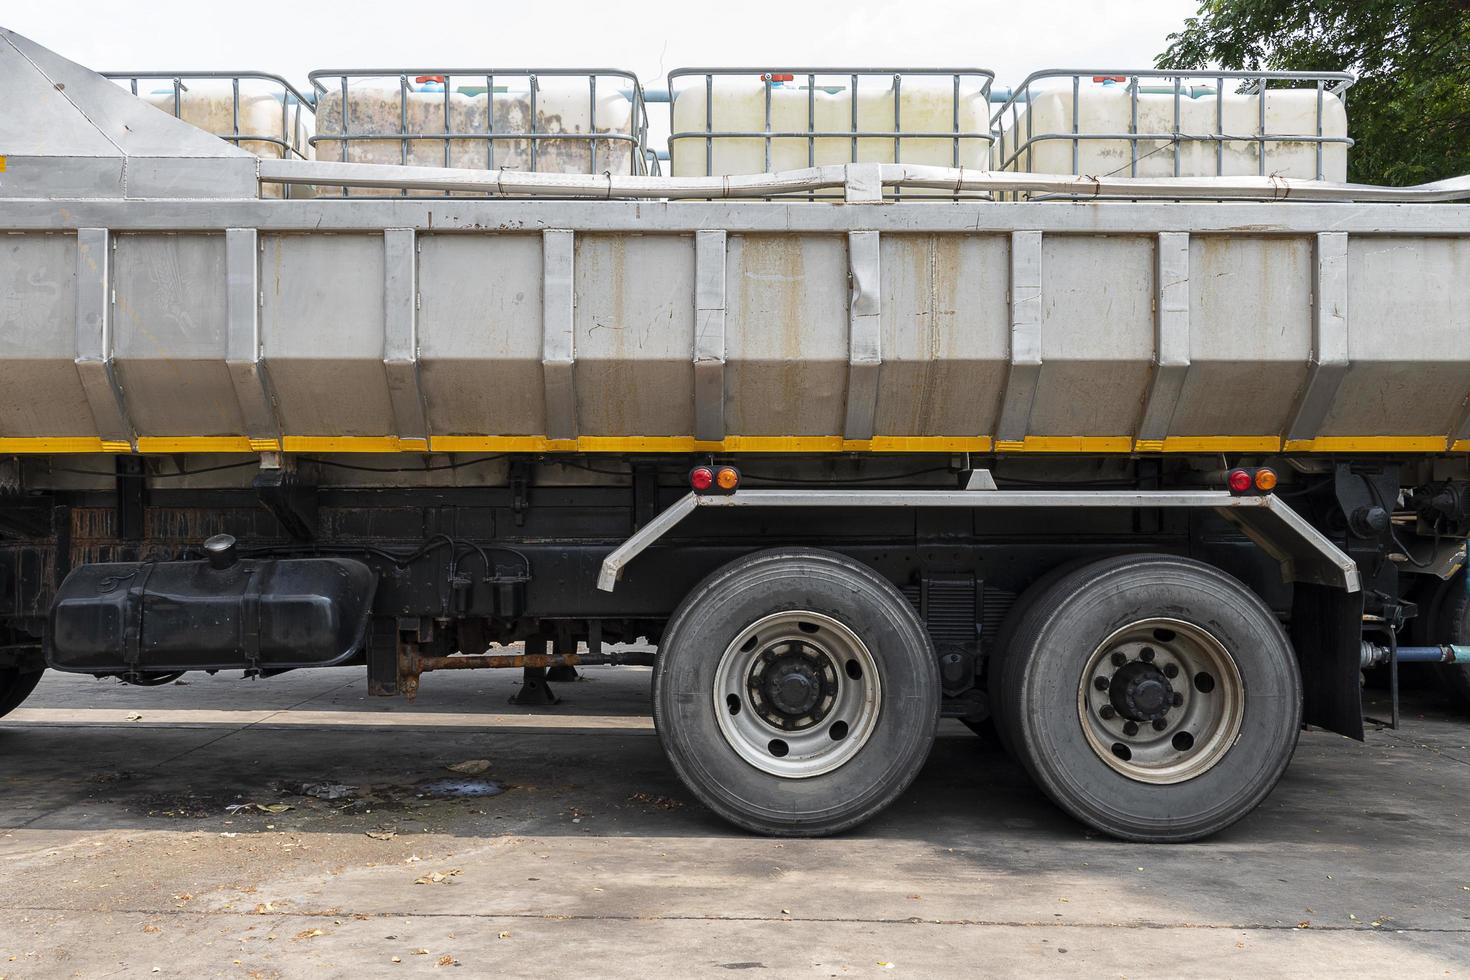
1410 109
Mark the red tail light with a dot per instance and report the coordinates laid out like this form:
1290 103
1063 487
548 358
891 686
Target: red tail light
716 480
1239 481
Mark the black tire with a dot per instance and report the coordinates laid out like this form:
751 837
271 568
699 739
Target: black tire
1454 627
15 687
1000 715
708 622
1052 646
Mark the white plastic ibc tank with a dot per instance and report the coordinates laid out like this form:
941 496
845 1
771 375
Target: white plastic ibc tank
1105 107
923 105
379 109
210 105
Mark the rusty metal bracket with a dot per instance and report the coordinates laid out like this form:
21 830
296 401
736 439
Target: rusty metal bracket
290 501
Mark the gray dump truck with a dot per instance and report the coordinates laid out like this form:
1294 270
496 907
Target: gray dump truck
856 417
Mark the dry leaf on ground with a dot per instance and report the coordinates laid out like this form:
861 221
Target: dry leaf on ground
438 877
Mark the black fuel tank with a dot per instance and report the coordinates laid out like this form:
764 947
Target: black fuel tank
217 614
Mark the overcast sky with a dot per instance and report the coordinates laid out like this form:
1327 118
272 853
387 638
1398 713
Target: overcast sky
290 38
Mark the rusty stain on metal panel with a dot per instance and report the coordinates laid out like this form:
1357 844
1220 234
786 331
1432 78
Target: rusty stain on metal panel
787 334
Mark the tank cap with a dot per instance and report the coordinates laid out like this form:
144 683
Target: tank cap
220 550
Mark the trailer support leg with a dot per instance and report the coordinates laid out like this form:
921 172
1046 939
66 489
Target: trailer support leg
534 689
564 645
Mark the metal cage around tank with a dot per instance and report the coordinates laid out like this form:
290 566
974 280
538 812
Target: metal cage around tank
296 108
976 82
1014 150
336 126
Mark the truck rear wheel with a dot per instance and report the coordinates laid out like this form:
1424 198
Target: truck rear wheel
796 693
15 686
1153 698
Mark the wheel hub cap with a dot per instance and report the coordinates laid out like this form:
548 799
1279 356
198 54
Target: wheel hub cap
797 694
793 687
1141 692
1160 700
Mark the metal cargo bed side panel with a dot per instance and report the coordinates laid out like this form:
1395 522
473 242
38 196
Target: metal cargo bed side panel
1408 338
480 334
1249 333
1097 335
945 333
633 334
171 335
786 333
527 326
322 323
41 396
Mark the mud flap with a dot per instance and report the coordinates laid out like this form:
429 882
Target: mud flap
1327 630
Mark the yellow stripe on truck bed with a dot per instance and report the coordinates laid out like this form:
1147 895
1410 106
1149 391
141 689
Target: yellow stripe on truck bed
35 445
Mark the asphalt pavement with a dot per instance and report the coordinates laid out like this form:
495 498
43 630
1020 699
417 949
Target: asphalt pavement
293 827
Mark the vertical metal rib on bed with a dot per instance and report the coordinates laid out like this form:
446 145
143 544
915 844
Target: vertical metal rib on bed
558 357
243 357
1025 367
709 335
95 342
865 344
400 337
1329 364
1171 339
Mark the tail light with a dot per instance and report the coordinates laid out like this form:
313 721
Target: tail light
1258 480
714 479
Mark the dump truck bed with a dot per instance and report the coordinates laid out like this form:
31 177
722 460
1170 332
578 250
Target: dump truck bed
490 325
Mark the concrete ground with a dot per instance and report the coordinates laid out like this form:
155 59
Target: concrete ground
125 851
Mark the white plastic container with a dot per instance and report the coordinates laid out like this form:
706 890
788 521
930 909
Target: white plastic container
379 109
210 105
1106 108
921 105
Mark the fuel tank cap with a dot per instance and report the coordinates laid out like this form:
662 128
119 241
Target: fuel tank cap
220 550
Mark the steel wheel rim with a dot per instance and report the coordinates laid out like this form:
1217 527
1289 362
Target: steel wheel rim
1162 660
828 656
